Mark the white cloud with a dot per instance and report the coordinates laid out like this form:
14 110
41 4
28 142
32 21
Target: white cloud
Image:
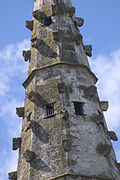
13 68
107 70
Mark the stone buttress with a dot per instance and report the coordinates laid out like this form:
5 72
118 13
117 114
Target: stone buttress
64 134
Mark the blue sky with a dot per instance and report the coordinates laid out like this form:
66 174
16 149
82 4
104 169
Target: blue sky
101 29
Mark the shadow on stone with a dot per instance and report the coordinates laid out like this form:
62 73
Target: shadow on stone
40 132
37 99
46 51
38 164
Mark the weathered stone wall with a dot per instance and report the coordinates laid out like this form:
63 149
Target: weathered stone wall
64 145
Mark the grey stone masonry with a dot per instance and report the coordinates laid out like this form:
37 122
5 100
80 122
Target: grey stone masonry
64 132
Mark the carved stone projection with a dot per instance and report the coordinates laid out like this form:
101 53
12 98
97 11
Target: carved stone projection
16 143
79 21
29 25
20 111
104 105
113 135
26 55
88 50
12 175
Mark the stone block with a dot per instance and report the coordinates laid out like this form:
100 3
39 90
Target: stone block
38 15
66 144
104 105
104 149
12 175
36 42
28 156
79 21
26 55
56 35
20 111
88 50
16 143
71 11
112 135
29 25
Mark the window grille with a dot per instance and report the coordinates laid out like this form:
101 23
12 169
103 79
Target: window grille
78 106
49 110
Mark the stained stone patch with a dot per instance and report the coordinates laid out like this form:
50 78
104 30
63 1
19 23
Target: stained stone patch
20 111
66 144
26 55
113 135
88 50
104 105
12 175
28 156
104 149
16 143
79 21
29 25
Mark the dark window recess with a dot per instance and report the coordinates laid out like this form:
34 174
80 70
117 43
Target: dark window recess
78 106
29 117
47 20
49 110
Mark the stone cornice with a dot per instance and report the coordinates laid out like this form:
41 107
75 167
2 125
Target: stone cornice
58 65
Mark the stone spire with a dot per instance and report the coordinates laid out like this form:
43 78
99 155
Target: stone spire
64 133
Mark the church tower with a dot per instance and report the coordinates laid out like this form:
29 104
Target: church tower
64 135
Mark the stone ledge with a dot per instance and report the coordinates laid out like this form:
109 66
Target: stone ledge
58 65
81 176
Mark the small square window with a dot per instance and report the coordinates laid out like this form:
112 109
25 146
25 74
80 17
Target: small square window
78 106
49 110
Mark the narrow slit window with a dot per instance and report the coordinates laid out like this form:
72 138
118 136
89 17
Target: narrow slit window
49 110
78 106
29 117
